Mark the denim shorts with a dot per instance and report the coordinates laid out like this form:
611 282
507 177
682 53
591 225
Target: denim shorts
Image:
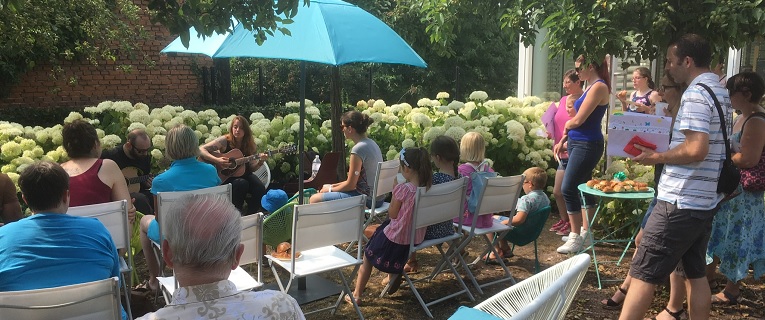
673 236
562 164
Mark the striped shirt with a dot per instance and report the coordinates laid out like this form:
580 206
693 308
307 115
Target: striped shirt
400 229
694 185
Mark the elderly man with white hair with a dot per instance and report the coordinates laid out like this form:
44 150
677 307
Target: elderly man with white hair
201 244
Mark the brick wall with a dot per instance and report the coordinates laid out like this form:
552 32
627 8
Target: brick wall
171 80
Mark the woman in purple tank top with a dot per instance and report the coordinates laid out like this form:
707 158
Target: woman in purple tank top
91 180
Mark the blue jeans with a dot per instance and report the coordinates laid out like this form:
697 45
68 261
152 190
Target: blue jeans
583 157
337 195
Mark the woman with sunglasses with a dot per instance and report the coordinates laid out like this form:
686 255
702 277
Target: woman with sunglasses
644 98
365 155
585 145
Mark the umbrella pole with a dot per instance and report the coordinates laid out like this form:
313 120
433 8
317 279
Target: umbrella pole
301 134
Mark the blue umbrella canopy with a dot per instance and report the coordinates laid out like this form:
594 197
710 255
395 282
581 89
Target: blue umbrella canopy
331 32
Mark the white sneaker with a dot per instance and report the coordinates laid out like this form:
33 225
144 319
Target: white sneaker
564 238
586 241
574 244
582 232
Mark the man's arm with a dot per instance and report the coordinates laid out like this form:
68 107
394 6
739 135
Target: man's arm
694 149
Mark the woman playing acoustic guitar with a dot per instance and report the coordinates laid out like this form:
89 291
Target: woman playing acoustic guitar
238 143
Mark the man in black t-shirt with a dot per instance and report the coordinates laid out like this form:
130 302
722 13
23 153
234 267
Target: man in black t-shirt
135 162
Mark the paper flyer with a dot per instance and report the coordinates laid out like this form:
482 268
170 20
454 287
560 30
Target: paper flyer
548 118
624 127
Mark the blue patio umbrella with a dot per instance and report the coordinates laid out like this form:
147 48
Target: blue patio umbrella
331 32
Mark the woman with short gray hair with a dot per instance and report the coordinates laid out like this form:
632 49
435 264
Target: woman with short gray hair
185 173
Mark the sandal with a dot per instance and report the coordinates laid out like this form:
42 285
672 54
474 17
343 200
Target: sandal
610 304
675 315
349 301
411 266
731 299
396 284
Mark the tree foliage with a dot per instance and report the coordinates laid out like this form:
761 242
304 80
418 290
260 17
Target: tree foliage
262 17
630 29
50 31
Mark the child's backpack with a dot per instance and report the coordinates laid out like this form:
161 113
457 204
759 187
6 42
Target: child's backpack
478 183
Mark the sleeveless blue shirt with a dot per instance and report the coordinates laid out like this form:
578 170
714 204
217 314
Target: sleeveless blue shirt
590 129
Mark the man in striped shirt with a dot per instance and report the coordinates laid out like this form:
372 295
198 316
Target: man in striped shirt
678 229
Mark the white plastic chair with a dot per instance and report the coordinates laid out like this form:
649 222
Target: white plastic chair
545 295
97 300
499 195
316 229
385 177
252 239
264 174
114 216
443 202
166 199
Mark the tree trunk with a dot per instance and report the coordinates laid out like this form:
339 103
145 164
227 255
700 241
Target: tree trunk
338 140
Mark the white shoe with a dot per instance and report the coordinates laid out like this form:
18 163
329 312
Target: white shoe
582 232
574 244
564 238
586 241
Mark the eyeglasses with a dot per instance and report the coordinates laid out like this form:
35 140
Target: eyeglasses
402 158
664 88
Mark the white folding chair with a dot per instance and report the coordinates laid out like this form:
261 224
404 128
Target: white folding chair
443 202
316 229
114 216
97 300
252 239
545 295
264 174
499 195
385 177
166 199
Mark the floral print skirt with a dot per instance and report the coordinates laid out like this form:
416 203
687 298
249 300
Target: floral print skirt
385 255
738 236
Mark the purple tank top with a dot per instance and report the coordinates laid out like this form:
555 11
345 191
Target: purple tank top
87 188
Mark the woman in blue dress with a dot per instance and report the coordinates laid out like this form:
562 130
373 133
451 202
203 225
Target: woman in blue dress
738 230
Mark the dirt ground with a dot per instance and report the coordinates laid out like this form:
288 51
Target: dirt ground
586 304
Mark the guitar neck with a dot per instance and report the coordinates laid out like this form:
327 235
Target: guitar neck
138 179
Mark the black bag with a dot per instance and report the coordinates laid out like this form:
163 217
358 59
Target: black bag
730 176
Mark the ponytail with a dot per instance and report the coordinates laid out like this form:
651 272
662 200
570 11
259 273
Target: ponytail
419 160
603 72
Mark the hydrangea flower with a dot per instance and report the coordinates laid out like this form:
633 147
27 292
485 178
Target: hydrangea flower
442 95
379 104
421 119
424 102
408 143
361 104
73 116
140 116
110 141
123 107
456 105
515 131
292 104
455 132
478 96
10 150
285 167
158 141
156 154
257 116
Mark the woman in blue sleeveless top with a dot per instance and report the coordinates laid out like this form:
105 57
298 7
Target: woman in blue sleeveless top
585 145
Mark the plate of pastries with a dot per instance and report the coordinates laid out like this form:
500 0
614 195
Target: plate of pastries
617 186
284 251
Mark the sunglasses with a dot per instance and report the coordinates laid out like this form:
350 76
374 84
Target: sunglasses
402 158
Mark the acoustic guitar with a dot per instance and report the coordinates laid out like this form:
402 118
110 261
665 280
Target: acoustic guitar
133 179
237 161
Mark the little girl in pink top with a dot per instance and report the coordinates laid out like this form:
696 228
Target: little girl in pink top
388 248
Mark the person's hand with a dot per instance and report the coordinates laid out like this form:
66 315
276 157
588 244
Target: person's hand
557 149
222 161
639 107
324 189
131 212
148 182
646 157
622 95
